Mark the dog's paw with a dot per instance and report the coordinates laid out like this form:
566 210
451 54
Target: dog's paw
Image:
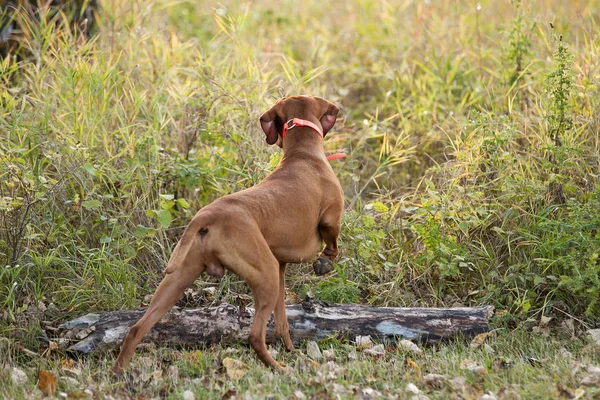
322 266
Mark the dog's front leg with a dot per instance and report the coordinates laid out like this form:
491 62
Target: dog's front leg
329 231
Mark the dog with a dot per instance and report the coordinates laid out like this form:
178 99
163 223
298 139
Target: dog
256 232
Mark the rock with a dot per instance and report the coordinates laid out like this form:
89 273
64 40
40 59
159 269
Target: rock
189 395
377 350
412 388
435 381
313 351
329 354
235 368
173 373
594 370
18 377
590 380
407 345
352 355
594 335
363 341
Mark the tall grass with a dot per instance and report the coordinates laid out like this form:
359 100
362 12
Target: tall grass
111 144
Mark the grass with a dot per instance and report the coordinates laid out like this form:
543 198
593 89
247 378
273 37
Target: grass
472 175
513 364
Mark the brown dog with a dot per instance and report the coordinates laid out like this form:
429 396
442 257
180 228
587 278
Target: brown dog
256 232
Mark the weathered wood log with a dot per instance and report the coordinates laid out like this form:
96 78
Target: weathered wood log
312 320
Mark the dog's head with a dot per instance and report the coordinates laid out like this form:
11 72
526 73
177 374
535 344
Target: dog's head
315 109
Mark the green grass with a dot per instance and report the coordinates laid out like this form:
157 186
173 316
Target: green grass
513 363
472 175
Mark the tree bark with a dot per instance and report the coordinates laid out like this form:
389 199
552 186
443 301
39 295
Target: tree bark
311 320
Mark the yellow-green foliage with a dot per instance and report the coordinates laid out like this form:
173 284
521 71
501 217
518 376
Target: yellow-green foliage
109 146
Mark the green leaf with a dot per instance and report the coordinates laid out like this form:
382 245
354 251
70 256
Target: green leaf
105 239
167 196
91 204
164 217
275 159
183 203
143 231
89 168
380 207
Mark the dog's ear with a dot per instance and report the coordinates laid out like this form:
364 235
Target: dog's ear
271 125
329 114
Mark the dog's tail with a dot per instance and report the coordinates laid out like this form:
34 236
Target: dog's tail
189 250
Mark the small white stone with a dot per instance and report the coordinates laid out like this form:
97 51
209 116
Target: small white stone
594 370
189 395
488 396
488 349
299 395
329 354
375 350
363 341
18 377
352 355
412 388
594 335
409 346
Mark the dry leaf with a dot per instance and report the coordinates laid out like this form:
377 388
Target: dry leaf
472 366
565 393
84 333
299 395
230 394
411 364
313 362
333 370
47 383
235 368
77 395
67 363
479 339
194 356
544 321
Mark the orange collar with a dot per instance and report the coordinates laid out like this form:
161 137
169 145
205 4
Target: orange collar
294 122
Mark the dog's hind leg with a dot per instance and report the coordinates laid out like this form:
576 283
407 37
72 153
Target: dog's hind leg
282 329
168 292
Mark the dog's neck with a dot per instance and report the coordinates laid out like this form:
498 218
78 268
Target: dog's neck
303 140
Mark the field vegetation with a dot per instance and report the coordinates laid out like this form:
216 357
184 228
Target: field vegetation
473 177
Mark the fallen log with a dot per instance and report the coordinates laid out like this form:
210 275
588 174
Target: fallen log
311 320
